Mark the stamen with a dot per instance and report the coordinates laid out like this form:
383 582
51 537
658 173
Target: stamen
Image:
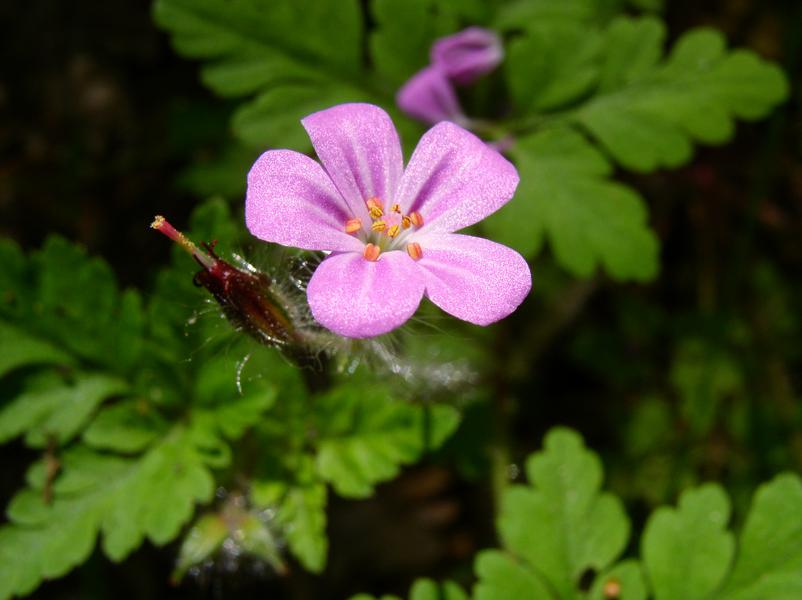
393 231
379 226
406 222
371 252
374 207
414 251
396 208
353 225
416 218
161 224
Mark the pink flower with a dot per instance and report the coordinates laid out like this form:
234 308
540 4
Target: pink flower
429 97
465 56
390 230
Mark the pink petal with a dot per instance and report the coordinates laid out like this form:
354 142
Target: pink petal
454 179
291 201
474 279
359 146
429 97
467 55
358 298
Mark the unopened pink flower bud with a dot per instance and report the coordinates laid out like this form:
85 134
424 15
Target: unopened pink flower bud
467 55
429 97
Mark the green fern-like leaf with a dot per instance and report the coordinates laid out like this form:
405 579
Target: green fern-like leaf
565 196
124 500
368 434
296 57
648 112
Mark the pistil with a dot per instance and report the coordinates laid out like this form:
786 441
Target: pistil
162 225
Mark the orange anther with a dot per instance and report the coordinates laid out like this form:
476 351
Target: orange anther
416 218
353 225
371 252
414 251
393 231
396 208
406 222
379 226
374 207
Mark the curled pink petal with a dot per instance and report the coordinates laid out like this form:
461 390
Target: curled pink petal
359 147
291 201
467 55
474 279
429 97
454 179
359 298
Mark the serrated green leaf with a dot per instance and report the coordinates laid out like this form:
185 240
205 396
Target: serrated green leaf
125 499
404 34
129 426
687 551
22 349
367 435
561 525
501 576
298 33
652 116
589 220
274 117
542 75
79 306
53 408
74 406
632 49
65 306
769 561
284 50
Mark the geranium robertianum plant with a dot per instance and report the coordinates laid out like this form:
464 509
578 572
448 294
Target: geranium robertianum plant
156 421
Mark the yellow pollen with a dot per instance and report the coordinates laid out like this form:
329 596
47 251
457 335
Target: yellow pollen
393 231
406 222
371 252
396 208
353 226
379 226
414 251
374 207
416 218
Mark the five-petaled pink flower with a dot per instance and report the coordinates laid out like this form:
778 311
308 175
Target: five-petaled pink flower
390 230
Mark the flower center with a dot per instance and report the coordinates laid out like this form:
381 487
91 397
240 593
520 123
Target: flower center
386 230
